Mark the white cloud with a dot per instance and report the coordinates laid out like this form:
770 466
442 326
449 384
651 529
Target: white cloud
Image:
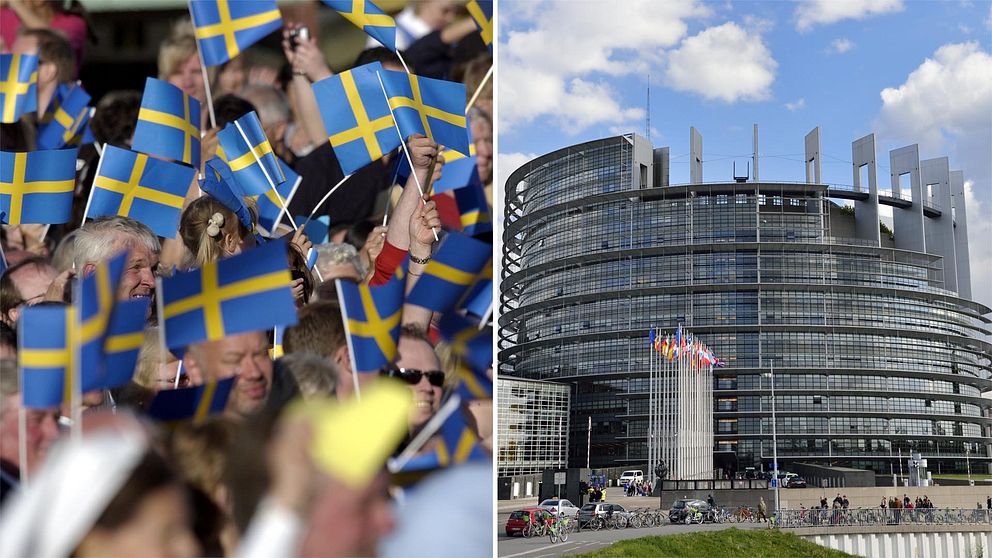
799 103
559 57
506 163
841 45
724 63
979 249
825 12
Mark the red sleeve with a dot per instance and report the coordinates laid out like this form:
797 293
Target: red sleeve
387 262
74 29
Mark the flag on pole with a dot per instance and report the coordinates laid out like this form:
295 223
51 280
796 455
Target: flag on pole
432 107
473 206
224 28
37 187
45 355
459 170
475 349
458 445
219 183
482 14
450 272
18 85
359 125
65 120
125 335
141 187
96 300
247 151
168 123
369 18
270 209
372 320
247 292
478 300
196 403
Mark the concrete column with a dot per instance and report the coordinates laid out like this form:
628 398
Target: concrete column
940 230
662 160
908 222
866 212
960 234
695 156
755 153
813 156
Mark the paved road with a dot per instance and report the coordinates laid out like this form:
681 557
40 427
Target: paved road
588 541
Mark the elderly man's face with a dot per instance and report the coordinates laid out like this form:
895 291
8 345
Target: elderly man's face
42 430
32 281
245 356
419 355
139 272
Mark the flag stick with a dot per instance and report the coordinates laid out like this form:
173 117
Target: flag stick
160 318
429 429
89 200
403 62
272 184
206 79
406 151
485 318
179 372
324 199
479 89
347 337
99 148
44 232
75 368
22 417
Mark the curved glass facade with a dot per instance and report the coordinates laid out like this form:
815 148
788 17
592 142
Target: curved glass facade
871 354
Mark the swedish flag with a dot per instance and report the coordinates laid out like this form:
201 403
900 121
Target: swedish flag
458 445
143 188
192 403
478 300
18 85
96 299
37 187
122 344
356 116
45 355
372 318
224 28
247 292
450 272
473 205
475 349
249 155
219 183
482 13
65 120
168 123
369 18
433 107
270 208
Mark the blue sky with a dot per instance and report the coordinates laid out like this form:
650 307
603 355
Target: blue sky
911 72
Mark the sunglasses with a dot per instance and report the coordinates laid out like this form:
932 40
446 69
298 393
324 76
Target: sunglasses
412 376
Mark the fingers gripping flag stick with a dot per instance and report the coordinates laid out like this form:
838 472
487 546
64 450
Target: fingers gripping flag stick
224 28
450 272
168 123
37 187
18 86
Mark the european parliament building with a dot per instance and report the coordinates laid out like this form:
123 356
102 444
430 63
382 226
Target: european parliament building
869 335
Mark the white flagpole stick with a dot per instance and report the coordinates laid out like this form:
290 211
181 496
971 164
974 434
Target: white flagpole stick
324 199
478 89
44 232
272 184
22 444
347 337
485 318
99 165
206 79
75 368
413 171
429 429
160 318
179 372
403 62
99 148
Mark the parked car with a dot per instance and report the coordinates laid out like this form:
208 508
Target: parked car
520 518
795 482
559 507
590 511
681 507
635 476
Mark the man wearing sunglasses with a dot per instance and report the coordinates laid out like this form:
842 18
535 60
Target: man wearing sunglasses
419 367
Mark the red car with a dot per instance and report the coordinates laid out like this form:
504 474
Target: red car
520 518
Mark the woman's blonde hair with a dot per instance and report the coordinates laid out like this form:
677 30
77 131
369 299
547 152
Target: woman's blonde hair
204 224
175 51
149 360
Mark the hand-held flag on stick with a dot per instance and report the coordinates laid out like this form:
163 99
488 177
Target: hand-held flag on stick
458 444
372 319
272 204
65 119
168 123
220 184
18 85
451 271
224 28
226 297
249 154
196 403
37 187
369 18
432 107
474 209
459 170
474 348
356 116
96 300
123 341
141 187
482 13
45 355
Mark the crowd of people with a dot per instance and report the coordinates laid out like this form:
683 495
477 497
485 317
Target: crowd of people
301 459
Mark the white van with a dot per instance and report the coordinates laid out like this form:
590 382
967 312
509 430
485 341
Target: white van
635 476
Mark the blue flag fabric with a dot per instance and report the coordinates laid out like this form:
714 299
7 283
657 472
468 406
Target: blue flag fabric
140 187
168 123
317 228
45 355
478 300
193 403
372 319
451 271
368 17
482 14
475 349
249 155
125 335
220 184
433 107
224 28
459 171
356 116
473 206
96 300
270 210
228 297
65 121
458 445
18 85
37 187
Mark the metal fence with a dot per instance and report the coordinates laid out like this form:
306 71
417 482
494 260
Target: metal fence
881 516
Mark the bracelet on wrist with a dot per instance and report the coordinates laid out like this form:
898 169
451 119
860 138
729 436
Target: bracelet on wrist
421 261
299 73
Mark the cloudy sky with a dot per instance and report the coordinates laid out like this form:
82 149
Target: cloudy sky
911 72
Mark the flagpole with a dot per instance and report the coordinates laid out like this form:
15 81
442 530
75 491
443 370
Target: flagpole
179 372
203 70
160 318
403 62
75 367
347 338
272 184
429 429
22 417
406 150
478 89
324 199
99 165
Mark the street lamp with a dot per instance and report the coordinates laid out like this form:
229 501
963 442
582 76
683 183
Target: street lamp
771 377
